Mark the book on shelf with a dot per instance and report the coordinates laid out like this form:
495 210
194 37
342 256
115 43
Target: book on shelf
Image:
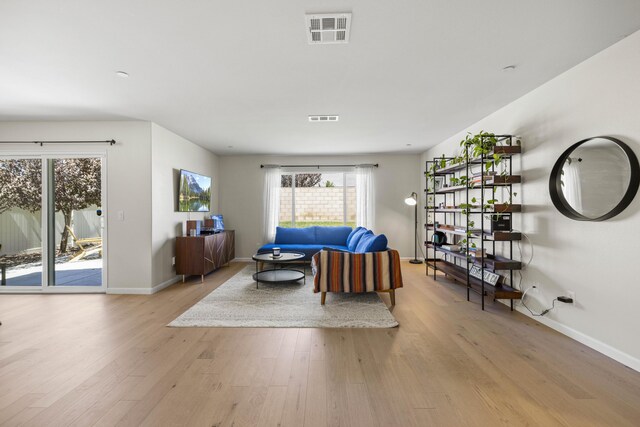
452 248
486 174
464 230
477 252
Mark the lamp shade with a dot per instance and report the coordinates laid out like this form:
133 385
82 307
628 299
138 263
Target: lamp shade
412 200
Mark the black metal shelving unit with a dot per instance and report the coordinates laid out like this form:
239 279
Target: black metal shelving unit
456 221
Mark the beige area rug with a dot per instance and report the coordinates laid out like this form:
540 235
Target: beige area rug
238 304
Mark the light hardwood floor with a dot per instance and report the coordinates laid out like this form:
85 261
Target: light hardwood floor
106 360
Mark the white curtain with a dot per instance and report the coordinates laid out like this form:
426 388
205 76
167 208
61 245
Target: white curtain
364 196
271 202
571 188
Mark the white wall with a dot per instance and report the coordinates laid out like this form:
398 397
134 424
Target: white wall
169 154
242 187
128 185
597 97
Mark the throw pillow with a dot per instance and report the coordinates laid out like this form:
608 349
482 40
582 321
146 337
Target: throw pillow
377 244
356 239
364 242
353 232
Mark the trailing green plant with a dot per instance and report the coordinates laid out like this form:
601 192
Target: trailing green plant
443 162
430 204
457 160
479 144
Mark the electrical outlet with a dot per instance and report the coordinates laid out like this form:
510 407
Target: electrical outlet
173 261
572 295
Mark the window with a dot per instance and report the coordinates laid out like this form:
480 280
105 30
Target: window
308 199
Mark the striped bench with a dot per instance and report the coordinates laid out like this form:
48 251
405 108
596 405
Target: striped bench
337 271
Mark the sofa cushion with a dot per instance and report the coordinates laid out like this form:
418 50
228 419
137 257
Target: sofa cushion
355 239
364 241
332 235
337 248
353 232
300 236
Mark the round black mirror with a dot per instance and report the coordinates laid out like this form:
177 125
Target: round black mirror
594 179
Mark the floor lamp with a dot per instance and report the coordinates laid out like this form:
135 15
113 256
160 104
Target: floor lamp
412 200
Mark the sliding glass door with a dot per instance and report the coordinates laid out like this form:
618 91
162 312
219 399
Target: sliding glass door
74 210
52 223
21 222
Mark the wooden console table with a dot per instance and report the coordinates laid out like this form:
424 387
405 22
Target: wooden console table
200 255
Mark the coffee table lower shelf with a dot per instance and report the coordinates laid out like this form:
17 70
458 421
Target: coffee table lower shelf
278 275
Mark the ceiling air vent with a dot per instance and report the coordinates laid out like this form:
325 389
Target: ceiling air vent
328 28
324 118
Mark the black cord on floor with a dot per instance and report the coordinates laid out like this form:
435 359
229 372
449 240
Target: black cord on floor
553 305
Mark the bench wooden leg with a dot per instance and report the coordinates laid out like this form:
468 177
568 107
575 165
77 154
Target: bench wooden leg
392 293
323 297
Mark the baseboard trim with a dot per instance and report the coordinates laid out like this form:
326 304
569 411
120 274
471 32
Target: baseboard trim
129 291
165 284
597 345
143 291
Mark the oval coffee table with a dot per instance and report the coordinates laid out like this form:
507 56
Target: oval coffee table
275 274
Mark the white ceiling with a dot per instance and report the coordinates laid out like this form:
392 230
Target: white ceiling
240 73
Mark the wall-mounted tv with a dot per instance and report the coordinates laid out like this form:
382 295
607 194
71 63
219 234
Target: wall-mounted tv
195 192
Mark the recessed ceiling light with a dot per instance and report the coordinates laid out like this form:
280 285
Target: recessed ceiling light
408 145
229 146
122 74
324 118
509 68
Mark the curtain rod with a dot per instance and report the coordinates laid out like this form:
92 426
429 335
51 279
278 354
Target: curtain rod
319 166
109 141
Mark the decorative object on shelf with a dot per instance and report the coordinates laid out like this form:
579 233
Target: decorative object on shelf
276 252
452 248
477 252
218 223
471 182
439 238
194 227
489 277
595 179
500 222
438 183
412 200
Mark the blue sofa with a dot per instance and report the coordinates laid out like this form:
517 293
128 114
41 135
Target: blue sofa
311 240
